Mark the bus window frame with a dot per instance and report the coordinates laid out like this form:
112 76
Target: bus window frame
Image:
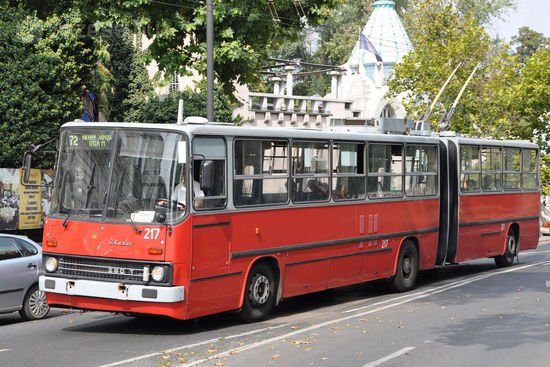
241 177
335 175
465 173
380 194
536 172
511 172
418 173
490 172
204 158
310 176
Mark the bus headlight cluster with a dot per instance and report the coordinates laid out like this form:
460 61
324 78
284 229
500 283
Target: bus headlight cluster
50 264
157 273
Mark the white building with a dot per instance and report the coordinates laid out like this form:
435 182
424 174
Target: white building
358 88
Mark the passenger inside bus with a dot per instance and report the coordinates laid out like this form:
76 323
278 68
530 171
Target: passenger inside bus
488 183
319 190
341 192
470 185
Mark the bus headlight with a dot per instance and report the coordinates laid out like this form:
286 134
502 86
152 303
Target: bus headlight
157 273
50 264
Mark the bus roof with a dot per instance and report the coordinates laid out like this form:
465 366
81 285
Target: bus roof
353 134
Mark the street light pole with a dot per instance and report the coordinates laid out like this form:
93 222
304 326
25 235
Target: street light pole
210 60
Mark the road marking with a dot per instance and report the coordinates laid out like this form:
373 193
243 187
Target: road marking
409 298
419 295
446 287
388 357
4 350
144 356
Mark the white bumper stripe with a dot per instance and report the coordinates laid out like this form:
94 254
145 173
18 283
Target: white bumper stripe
120 291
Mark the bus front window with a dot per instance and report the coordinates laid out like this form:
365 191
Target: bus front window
119 175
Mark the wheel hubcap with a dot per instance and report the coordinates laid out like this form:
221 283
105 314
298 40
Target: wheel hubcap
37 304
260 290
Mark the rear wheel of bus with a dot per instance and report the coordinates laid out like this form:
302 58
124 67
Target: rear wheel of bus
260 292
407 268
507 258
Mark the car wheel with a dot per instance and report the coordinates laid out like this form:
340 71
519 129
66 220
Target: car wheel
35 306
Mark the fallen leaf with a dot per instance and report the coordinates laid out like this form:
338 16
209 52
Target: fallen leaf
275 356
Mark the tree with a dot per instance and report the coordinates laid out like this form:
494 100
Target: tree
43 63
545 174
442 38
245 30
528 42
530 99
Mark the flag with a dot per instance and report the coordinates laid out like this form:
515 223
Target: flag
365 44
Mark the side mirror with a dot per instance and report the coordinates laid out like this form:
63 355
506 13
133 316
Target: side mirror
27 164
207 176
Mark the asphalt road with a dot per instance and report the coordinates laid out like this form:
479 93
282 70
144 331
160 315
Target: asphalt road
465 315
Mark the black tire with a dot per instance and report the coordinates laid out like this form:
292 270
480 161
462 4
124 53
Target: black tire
510 252
35 306
259 295
407 268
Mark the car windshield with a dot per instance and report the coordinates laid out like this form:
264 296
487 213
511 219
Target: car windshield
118 175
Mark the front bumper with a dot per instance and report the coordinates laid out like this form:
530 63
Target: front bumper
110 290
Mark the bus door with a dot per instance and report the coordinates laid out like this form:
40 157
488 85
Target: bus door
211 288
211 228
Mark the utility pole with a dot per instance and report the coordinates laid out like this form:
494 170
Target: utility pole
210 60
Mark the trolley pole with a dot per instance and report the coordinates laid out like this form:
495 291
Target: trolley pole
210 60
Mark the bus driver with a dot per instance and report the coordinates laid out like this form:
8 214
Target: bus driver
179 195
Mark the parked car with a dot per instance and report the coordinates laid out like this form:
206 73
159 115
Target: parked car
20 267
544 220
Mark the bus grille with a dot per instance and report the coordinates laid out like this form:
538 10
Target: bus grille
115 270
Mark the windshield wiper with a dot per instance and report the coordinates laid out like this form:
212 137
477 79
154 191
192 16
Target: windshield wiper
134 225
71 213
66 221
127 211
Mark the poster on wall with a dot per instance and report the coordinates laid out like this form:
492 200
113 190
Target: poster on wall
30 203
9 198
24 207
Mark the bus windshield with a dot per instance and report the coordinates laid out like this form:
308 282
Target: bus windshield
119 175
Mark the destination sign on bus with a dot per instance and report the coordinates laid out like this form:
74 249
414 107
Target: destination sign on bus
89 140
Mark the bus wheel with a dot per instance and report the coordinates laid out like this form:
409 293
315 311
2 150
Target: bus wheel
407 268
259 296
507 258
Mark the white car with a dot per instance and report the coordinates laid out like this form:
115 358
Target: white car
544 220
20 267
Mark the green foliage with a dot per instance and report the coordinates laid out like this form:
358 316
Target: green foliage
127 83
443 38
244 31
545 174
528 42
42 63
529 98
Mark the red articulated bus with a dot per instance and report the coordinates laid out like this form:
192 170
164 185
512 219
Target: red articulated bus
194 219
